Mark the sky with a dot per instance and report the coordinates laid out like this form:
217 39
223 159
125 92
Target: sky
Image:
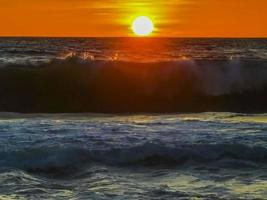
113 18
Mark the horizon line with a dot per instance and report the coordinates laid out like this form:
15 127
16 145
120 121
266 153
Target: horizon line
151 37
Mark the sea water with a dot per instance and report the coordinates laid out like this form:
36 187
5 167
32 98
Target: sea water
181 151
178 156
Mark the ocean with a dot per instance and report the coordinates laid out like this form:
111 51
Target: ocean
133 118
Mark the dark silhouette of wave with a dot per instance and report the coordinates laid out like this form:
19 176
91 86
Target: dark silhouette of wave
68 160
76 85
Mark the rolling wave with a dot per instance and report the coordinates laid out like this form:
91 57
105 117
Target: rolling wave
79 85
68 160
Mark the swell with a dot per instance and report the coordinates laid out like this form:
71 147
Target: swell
71 159
77 85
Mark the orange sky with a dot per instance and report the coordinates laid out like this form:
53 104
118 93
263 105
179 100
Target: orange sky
176 18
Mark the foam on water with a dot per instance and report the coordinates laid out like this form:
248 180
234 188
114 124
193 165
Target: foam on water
206 155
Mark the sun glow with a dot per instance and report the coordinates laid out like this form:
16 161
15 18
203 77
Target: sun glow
142 26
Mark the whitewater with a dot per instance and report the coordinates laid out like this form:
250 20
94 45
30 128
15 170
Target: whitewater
92 156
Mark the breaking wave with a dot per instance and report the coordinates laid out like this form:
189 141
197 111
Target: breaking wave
67 160
80 85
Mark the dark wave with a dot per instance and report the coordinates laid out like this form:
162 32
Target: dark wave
71 159
76 85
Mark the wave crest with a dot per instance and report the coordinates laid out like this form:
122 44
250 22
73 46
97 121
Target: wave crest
81 85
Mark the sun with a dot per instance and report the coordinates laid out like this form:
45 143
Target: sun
142 26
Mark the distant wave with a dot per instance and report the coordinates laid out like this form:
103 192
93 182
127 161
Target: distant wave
68 160
79 85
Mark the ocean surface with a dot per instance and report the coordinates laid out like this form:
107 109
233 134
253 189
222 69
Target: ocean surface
180 156
132 75
133 118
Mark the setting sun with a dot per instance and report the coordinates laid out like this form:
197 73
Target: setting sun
142 26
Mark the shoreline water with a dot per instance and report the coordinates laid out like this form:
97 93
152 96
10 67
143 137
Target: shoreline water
183 156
